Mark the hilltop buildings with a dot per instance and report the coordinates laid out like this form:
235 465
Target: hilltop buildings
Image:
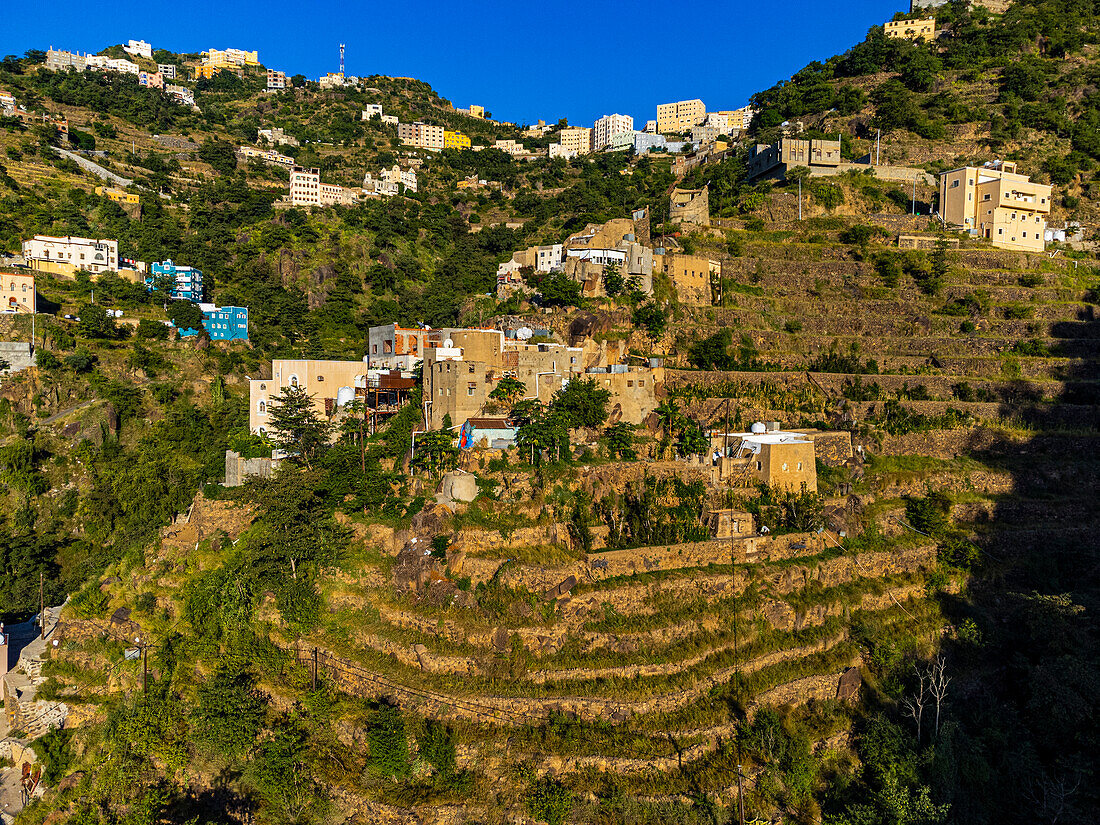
266 155
275 80
229 58
997 203
422 135
222 323
391 182
576 139
139 48
787 153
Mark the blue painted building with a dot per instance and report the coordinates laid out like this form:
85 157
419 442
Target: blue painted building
222 323
188 284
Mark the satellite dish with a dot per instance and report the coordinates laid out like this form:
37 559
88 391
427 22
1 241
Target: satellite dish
759 427
448 343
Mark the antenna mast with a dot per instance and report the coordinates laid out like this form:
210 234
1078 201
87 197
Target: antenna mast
341 58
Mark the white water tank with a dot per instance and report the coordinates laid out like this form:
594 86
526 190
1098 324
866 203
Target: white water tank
759 428
345 395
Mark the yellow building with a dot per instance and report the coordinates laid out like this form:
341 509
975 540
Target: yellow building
576 139
912 29
680 116
997 203
226 58
205 72
455 140
118 195
477 111
17 292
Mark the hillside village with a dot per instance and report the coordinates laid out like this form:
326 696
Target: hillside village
368 458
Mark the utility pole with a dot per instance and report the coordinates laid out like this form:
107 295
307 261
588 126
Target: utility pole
914 195
800 198
740 795
314 669
878 139
42 601
145 669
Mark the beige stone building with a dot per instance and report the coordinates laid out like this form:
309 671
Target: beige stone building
17 292
924 29
576 139
459 375
820 156
690 206
693 276
330 384
777 458
306 189
997 203
680 116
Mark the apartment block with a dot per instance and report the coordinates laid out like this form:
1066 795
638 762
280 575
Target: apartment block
822 156
923 30
58 60
154 80
187 284
181 94
329 384
997 203
17 292
222 323
455 140
111 64
306 189
607 127
138 48
118 195
205 72
511 147
168 70
556 150
266 155
275 80
680 116
705 134
226 58
421 135
71 253
576 139
390 182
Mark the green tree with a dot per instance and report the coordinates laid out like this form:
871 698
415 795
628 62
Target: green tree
296 428
228 712
95 323
435 452
509 390
620 441
184 314
650 317
582 403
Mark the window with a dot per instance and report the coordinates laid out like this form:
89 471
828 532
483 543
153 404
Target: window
263 387
471 367
294 380
471 388
261 408
800 466
320 378
784 466
759 466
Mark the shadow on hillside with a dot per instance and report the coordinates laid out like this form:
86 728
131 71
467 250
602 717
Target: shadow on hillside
1023 745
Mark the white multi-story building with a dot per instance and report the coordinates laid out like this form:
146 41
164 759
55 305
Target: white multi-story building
93 255
181 94
390 181
138 48
306 189
168 70
111 64
371 110
275 80
513 148
607 127
558 151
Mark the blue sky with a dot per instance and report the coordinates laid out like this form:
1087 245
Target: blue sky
522 60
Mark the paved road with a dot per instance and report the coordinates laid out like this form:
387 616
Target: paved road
94 168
